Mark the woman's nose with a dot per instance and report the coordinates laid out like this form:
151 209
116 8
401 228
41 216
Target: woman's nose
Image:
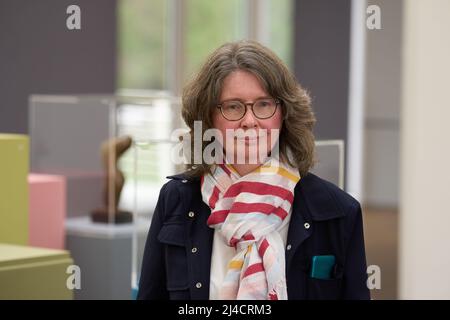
249 120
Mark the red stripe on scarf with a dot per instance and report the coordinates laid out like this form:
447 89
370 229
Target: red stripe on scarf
273 296
234 241
217 217
254 268
265 208
214 197
263 247
259 188
248 236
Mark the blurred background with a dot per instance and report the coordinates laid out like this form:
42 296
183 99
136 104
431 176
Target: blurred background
377 72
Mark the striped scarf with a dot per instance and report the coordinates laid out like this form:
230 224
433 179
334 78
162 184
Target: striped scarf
248 211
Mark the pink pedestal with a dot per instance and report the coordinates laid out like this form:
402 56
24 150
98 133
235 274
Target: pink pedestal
47 195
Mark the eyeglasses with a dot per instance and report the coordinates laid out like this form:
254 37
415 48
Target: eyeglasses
234 110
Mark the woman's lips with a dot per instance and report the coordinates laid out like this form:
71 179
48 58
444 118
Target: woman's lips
247 140
250 137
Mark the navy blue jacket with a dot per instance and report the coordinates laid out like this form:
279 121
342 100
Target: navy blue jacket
325 221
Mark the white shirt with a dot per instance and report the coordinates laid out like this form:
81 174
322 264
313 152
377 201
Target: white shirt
222 254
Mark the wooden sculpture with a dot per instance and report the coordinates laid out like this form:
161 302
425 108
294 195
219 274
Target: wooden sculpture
111 151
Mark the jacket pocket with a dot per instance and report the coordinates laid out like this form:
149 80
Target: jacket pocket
324 289
172 235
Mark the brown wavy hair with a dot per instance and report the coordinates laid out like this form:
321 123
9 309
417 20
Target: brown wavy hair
201 96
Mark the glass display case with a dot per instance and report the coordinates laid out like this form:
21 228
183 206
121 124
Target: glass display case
112 151
330 161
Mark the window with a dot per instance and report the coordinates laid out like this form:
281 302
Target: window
147 33
142 44
208 25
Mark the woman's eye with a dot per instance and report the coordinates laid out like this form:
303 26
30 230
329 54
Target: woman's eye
233 107
263 104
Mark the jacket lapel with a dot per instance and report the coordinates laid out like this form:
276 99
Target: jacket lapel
297 232
200 236
203 235
312 203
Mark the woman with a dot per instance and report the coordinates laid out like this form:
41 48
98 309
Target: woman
264 229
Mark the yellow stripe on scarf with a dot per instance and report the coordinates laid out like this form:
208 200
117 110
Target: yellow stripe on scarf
281 171
235 264
229 166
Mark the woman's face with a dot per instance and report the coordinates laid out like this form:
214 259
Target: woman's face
244 86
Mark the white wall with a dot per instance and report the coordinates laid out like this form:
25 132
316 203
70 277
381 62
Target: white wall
424 265
381 125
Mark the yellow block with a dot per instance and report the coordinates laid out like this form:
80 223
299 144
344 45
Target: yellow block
14 166
34 273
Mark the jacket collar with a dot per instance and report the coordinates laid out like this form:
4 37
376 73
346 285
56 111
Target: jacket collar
319 199
183 176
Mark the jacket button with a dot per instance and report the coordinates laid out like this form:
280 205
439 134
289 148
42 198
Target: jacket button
307 225
198 285
191 214
184 180
288 247
194 250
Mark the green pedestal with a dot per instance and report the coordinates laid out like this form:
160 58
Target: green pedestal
34 273
14 159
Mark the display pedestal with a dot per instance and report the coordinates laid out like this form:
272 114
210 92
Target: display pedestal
34 273
47 194
14 188
104 254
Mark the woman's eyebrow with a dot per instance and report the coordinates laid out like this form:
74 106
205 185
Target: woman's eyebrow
239 99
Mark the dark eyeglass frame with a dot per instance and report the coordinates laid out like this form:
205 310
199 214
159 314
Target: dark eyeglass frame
251 104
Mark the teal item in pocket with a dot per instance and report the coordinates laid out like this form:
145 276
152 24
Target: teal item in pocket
322 266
